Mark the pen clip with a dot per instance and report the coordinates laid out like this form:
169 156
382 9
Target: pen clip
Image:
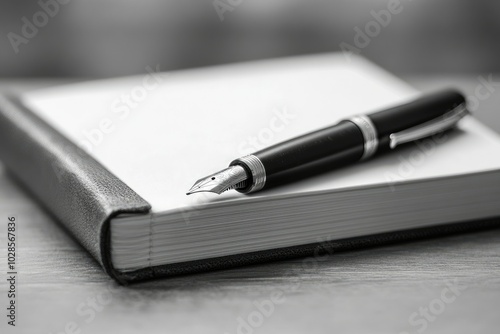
429 128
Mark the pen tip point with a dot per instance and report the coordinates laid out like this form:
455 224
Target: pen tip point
232 177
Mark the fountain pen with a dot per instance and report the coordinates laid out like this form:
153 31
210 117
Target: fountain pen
355 139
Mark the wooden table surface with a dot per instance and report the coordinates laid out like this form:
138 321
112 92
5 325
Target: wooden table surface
444 285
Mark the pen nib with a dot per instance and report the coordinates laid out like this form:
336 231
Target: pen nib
233 177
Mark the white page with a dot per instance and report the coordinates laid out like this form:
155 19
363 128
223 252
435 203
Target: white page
195 122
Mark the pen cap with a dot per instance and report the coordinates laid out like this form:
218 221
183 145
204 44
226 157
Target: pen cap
421 110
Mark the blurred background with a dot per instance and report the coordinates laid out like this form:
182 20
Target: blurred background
103 38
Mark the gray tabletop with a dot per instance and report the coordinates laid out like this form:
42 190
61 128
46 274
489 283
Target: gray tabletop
444 285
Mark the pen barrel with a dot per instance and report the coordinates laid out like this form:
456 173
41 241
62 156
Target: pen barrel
346 142
313 153
416 112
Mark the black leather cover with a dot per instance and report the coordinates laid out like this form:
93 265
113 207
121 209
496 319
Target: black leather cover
74 187
84 196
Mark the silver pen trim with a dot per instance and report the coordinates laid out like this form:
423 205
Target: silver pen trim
365 124
429 128
257 170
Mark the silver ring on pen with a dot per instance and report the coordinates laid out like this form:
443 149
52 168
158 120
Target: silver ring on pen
365 124
257 170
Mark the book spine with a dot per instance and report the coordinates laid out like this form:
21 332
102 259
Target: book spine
72 185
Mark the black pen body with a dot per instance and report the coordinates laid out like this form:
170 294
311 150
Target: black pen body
313 153
423 109
350 141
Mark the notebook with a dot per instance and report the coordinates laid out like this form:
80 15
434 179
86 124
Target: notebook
113 159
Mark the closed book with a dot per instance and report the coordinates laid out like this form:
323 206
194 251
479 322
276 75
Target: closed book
112 161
